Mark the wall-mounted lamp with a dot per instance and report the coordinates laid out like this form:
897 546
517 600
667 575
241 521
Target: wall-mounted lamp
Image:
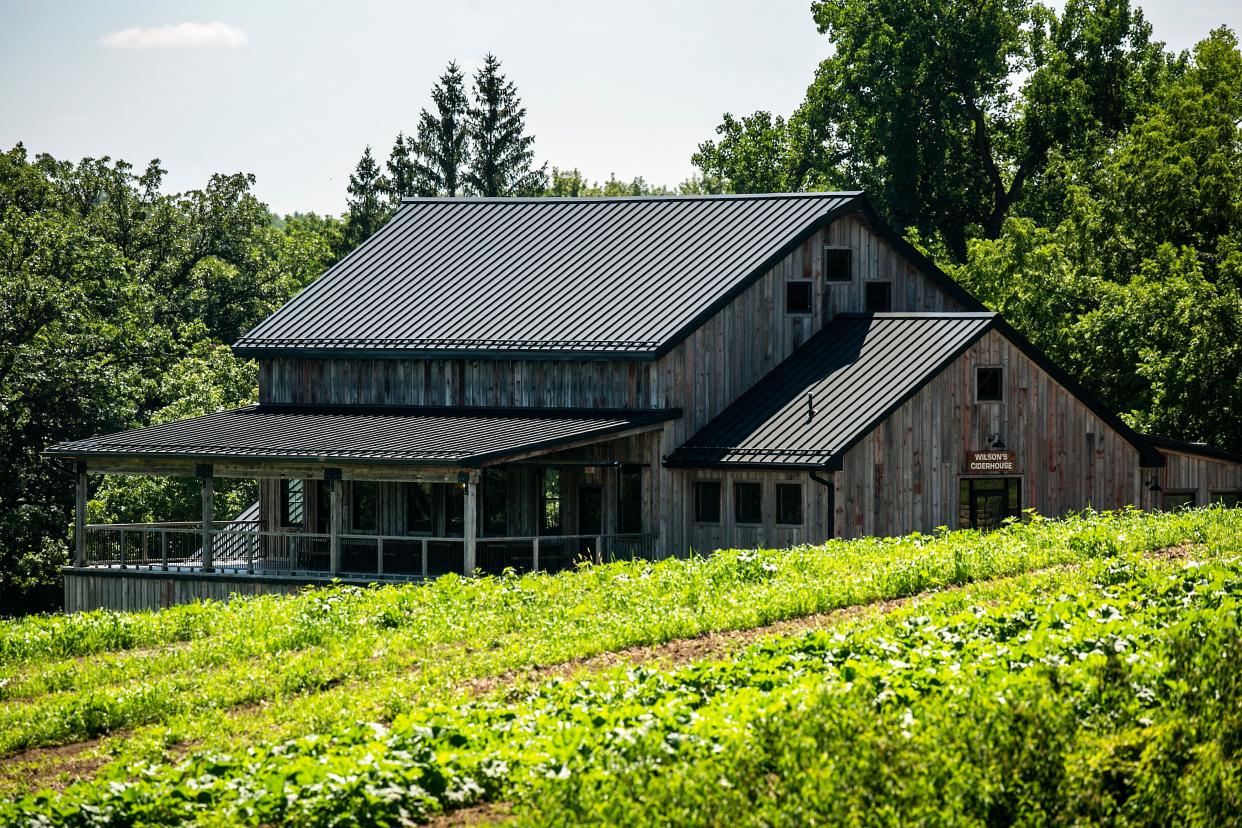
995 441
1153 485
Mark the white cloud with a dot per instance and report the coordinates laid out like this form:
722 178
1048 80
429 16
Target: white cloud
179 36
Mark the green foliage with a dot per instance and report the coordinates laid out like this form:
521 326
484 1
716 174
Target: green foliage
115 298
573 184
500 156
366 205
441 150
1101 693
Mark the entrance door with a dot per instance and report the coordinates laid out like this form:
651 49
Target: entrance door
590 517
987 501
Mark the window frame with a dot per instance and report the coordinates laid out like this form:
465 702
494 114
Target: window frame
355 487
1190 493
779 504
542 526
849 263
888 298
809 285
634 473
286 500
719 484
430 489
737 518
1000 383
1215 495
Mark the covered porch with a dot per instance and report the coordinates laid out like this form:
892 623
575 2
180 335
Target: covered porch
382 495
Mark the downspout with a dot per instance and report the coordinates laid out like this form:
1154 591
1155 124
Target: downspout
832 502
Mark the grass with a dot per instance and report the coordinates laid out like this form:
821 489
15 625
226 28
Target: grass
251 677
996 702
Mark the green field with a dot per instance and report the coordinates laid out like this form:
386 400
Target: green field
1082 671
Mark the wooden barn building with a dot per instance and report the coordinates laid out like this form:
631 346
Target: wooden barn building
496 383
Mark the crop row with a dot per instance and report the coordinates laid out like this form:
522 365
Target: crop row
1010 701
200 660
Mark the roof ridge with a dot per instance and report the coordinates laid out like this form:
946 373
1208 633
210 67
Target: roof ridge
625 199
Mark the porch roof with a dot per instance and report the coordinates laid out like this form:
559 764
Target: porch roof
465 437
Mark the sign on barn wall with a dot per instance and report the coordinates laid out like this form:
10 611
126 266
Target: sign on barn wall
985 462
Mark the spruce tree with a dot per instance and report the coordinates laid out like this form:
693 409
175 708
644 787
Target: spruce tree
402 176
500 150
439 151
367 210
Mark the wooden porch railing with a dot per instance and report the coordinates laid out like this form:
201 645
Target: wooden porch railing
242 548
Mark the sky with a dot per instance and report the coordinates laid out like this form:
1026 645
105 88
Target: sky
293 91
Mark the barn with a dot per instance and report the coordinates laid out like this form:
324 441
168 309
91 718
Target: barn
493 384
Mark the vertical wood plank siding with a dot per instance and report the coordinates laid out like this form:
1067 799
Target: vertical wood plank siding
904 475
1204 476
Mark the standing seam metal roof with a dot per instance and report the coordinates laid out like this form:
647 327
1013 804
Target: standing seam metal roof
855 371
609 276
443 437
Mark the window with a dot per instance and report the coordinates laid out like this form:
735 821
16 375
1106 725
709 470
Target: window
837 264
707 501
789 504
1230 500
454 509
292 503
748 502
985 502
323 505
989 385
879 297
419 511
366 506
495 501
630 500
797 297
550 497
1178 500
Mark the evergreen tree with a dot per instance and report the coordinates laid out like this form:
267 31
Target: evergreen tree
500 150
439 152
402 176
367 210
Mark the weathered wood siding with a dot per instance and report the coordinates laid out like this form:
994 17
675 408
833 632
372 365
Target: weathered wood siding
1205 476
745 340
904 476
728 533
457 382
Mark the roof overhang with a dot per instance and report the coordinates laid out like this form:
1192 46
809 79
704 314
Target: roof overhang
319 436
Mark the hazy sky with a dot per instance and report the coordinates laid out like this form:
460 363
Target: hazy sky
293 91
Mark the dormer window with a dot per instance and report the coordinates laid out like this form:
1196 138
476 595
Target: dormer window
837 264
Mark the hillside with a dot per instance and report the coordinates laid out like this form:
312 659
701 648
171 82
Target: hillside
1079 670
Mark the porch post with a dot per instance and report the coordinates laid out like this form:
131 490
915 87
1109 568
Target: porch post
471 523
332 479
79 518
208 486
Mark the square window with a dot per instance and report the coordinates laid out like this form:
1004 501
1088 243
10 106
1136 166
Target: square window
419 512
748 502
797 297
707 501
1178 500
879 297
292 503
989 385
837 264
789 504
366 506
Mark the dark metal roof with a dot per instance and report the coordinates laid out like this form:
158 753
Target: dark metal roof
833 390
1187 447
611 278
445 436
